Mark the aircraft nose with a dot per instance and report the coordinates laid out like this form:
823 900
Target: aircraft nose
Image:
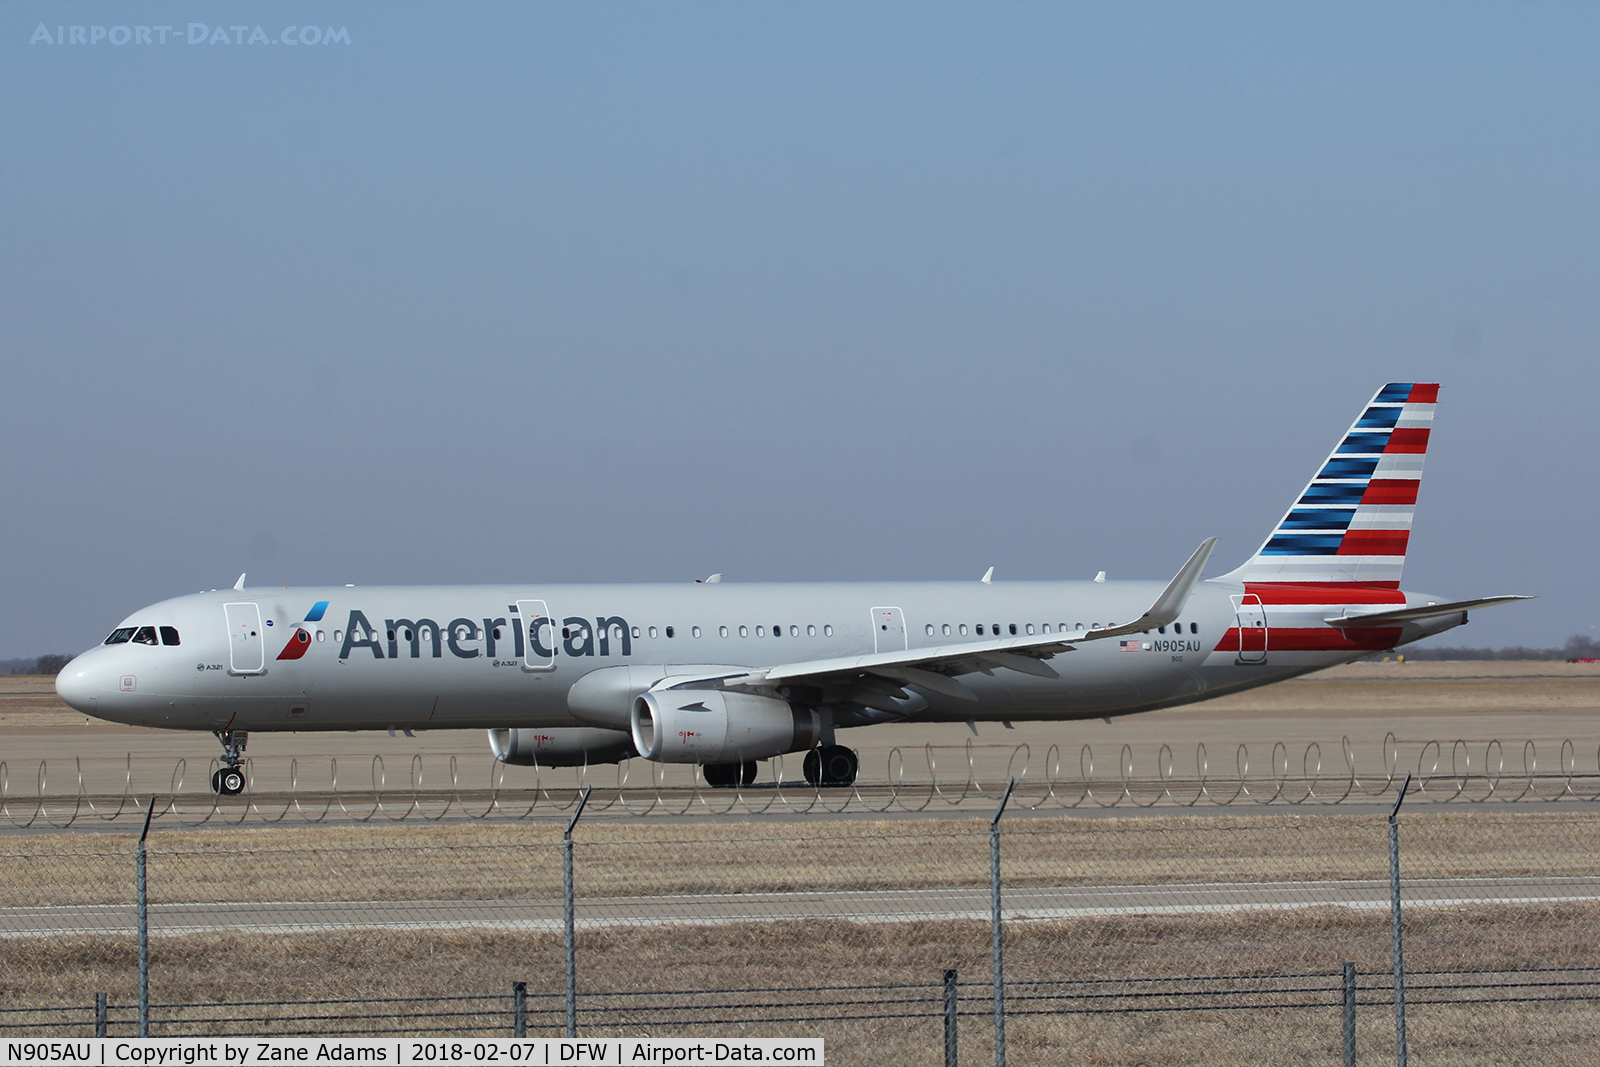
79 683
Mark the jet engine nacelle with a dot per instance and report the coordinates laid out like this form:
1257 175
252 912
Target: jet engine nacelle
567 746
711 726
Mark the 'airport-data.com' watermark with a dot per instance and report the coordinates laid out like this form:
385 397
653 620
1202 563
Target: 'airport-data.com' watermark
194 33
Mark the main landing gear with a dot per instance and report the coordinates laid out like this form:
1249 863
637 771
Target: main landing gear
831 765
729 775
229 781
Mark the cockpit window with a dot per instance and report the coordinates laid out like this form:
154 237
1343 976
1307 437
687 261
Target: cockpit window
169 635
146 635
120 635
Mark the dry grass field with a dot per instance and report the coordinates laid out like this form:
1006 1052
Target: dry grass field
523 861
250 969
619 965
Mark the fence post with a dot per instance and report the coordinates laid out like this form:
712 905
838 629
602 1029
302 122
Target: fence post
519 1009
949 1019
1349 1015
572 934
142 908
1394 923
995 929
99 1015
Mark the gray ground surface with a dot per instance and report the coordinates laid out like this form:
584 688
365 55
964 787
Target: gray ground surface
868 906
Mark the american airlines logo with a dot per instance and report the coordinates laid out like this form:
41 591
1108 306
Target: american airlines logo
194 33
465 638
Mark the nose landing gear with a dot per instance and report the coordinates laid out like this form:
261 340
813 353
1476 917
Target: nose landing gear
229 780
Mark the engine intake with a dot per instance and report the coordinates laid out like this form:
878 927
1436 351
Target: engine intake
711 726
567 746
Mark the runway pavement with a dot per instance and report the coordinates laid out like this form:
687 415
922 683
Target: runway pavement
1021 904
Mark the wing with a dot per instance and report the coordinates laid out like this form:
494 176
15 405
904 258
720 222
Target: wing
1421 611
859 679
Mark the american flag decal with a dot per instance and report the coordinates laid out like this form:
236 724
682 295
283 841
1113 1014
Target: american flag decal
1129 646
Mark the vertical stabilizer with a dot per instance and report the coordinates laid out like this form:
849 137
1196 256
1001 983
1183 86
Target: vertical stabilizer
1351 524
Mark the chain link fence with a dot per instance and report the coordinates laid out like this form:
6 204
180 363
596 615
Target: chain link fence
1179 938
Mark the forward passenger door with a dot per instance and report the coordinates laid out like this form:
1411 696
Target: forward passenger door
247 647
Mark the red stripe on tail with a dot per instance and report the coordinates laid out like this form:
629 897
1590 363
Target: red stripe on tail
1391 491
1316 639
1407 440
1374 543
1325 593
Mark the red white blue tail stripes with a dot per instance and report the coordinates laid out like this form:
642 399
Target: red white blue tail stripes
1353 521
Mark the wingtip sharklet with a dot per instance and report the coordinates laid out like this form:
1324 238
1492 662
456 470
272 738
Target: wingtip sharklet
1170 604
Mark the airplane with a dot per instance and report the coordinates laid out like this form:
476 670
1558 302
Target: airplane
725 675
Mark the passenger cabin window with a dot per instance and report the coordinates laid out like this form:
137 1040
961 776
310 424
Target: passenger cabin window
722 631
338 635
669 631
794 631
963 628
761 631
945 629
979 629
827 630
322 635
636 633
695 631
169 635
1194 627
1013 629
145 635
744 631
1030 627
811 631
120 635
928 629
652 632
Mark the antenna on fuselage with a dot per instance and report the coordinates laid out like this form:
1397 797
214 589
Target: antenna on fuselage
240 583
988 577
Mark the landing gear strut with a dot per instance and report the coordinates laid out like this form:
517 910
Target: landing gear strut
831 765
229 781
729 775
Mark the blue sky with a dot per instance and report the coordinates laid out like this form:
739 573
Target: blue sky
789 291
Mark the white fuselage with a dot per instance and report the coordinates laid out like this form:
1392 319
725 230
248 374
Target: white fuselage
421 657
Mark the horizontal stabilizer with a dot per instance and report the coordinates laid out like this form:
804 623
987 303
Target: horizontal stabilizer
1421 611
